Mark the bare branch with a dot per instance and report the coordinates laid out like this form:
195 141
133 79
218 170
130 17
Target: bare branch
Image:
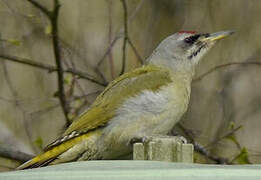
104 56
110 38
14 93
42 8
225 65
200 149
125 40
108 50
11 153
116 38
62 97
28 62
136 10
50 68
230 133
86 95
53 18
135 51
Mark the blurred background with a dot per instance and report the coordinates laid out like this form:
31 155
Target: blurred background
224 114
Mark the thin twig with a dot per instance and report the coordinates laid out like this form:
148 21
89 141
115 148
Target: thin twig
116 38
136 10
64 54
16 102
57 55
42 8
36 114
11 153
7 100
14 93
225 65
225 136
49 68
86 95
135 51
53 18
108 50
103 57
73 51
110 37
200 149
77 110
187 133
28 62
68 51
125 40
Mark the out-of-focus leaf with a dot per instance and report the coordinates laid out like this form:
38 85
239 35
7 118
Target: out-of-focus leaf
39 142
68 79
77 103
231 125
232 138
71 116
31 16
242 158
14 42
48 29
56 94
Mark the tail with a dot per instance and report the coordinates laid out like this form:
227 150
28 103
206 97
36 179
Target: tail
50 155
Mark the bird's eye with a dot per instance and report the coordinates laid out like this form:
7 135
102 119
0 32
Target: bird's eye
191 39
188 40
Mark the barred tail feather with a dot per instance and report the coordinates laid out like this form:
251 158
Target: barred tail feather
47 157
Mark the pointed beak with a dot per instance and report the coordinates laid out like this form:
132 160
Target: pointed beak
216 36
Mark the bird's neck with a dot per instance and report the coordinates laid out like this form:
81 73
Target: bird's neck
181 70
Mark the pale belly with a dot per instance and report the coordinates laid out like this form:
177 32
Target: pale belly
149 114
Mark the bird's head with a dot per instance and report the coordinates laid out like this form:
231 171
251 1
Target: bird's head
183 50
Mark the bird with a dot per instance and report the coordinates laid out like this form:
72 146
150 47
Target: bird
145 102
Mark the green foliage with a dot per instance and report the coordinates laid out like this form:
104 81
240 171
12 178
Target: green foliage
39 142
71 116
231 125
68 79
77 103
242 157
31 16
56 94
48 29
14 42
233 138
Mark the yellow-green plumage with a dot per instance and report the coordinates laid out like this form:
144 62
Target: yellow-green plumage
129 84
148 77
146 101
54 151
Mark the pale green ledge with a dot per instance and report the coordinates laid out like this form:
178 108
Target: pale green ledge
138 170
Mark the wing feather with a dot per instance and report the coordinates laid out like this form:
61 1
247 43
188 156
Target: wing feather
104 107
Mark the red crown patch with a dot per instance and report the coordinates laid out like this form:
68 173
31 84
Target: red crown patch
188 32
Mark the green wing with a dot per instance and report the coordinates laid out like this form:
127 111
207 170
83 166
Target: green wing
104 107
129 84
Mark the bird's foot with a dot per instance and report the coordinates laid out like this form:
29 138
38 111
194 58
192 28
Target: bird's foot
141 139
183 139
147 139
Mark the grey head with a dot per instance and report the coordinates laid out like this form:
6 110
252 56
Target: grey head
183 50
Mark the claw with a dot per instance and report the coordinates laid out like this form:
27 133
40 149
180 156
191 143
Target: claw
135 140
184 140
143 140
